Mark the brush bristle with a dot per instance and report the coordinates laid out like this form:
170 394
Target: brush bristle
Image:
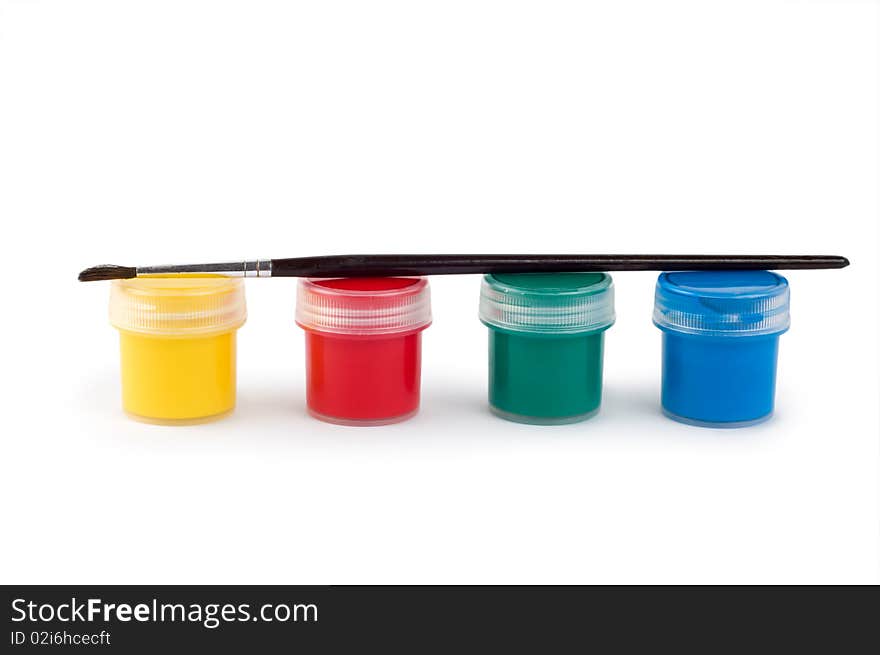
107 272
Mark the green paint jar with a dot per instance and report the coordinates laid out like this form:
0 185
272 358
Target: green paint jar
546 333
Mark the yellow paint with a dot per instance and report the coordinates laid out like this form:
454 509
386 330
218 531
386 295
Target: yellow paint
177 346
177 380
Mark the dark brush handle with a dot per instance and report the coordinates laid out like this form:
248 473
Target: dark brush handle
386 265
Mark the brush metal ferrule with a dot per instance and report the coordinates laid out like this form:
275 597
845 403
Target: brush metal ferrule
255 268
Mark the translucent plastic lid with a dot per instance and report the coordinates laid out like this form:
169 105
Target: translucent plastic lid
722 303
364 306
548 302
183 305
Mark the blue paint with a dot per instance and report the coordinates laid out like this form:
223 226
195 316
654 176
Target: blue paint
720 342
718 379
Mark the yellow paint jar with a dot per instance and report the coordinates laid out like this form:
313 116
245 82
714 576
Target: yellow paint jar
177 346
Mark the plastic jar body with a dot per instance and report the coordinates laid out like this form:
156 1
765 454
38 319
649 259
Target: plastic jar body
720 345
545 379
546 342
363 347
363 380
718 381
177 380
177 338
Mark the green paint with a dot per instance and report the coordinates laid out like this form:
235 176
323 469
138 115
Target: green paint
554 285
545 379
546 334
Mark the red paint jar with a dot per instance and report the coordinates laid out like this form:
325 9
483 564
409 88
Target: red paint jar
363 347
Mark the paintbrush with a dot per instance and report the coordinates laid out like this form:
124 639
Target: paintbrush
388 265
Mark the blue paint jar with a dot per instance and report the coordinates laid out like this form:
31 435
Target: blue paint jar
720 340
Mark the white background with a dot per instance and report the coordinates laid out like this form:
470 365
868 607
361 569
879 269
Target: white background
181 131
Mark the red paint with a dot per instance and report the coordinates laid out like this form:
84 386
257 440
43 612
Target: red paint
368 283
364 377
